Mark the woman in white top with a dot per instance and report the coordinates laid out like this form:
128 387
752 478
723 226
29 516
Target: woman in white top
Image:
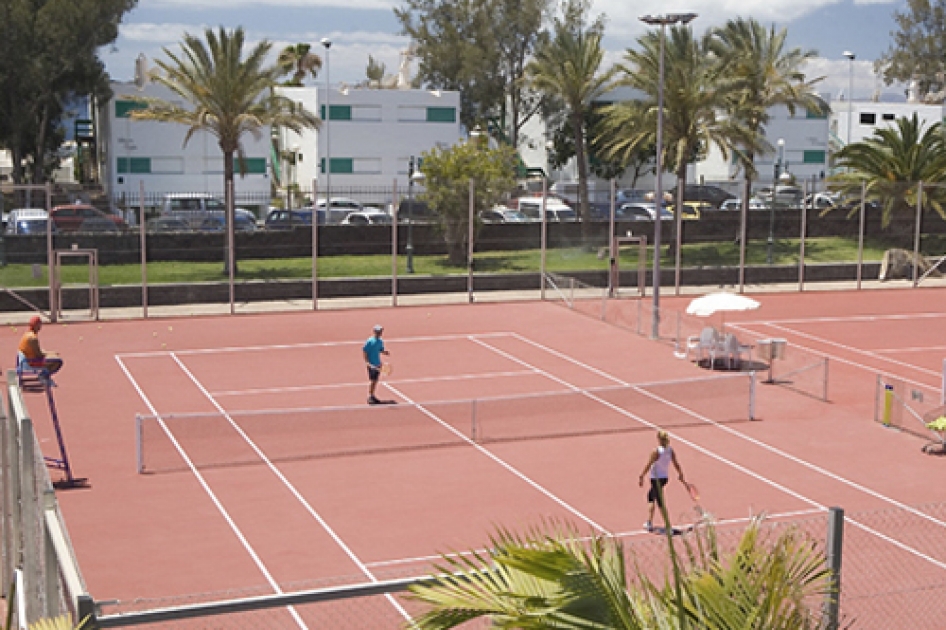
659 467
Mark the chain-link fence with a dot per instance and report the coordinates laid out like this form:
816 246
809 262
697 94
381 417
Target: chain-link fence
157 249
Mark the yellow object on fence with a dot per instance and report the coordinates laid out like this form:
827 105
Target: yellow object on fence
888 403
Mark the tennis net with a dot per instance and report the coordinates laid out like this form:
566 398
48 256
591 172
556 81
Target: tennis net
174 442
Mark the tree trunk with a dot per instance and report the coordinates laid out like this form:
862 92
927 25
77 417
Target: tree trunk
583 206
229 203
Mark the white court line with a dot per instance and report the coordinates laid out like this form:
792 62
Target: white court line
851 349
772 449
292 489
291 346
916 349
845 318
431 379
629 534
213 497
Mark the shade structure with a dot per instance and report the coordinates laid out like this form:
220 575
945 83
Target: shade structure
721 302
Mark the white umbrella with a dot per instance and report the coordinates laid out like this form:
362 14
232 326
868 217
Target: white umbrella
721 302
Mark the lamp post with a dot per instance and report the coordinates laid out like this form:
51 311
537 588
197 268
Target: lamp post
413 177
662 21
850 94
770 247
327 43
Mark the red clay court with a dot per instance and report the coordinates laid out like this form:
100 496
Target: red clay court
263 471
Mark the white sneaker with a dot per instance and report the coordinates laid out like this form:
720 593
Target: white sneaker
648 526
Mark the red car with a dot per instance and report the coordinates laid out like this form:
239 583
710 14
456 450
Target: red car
72 217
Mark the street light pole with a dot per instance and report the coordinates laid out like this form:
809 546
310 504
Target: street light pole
409 248
850 94
770 249
662 21
327 43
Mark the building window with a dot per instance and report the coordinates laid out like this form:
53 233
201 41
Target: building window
814 157
123 109
888 117
868 118
814 114
442 114
134 165
254 166
339 165
337 112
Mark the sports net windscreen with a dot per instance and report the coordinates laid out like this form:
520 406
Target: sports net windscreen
203 440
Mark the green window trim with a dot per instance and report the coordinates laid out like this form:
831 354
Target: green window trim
339 165
123 109
255 166
336 112
135 165
814 157
816 115
442 114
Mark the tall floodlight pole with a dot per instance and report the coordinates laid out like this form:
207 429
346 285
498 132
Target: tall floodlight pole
850 94
327 43
770 249
662 21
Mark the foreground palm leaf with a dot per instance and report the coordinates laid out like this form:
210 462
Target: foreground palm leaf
552 578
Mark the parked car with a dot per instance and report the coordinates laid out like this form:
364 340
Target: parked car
280 219
785 196
822 200
25 220
502 214
416 210
167 224
693 210
736 204
367 217
69 218
642 211
555 209
338 208
632 195
218 223
710 194
195 207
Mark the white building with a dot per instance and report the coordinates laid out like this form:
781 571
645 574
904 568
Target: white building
369 136
854 121
136 152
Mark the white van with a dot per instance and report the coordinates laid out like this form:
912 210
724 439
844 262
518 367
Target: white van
26 221
195 208
555 209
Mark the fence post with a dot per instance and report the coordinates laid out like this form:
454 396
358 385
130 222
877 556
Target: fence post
86 612
832 603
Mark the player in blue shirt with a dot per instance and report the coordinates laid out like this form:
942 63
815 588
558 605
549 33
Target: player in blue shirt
372 351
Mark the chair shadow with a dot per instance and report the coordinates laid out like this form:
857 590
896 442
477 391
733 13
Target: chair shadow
721 365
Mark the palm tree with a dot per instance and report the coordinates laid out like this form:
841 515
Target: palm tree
567 67
763 74
228 95
892 163
300 61
553 578
694 97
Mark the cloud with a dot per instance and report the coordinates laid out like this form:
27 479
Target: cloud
225 5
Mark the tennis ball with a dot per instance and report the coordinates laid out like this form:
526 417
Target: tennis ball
164 345
155 333
170 328
80 338
428 314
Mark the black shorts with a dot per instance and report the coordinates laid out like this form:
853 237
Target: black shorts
373 373
653 494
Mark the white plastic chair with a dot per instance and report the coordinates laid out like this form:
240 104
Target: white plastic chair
706 345
733 351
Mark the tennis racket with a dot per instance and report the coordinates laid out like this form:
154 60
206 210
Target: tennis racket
386 369
692 491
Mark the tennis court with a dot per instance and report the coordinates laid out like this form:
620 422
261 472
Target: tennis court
232 457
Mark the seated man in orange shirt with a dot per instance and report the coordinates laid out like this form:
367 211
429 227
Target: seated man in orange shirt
29 346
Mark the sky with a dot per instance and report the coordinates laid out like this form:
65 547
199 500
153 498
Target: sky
358 28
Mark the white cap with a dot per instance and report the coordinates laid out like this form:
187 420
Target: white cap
378 327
